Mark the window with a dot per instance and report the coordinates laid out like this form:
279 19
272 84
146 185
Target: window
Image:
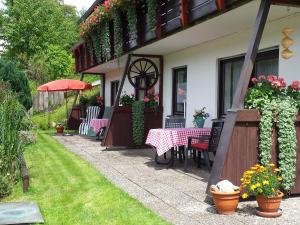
230 69
179 90
114 86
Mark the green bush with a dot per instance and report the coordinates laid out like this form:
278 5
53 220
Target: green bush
11 120
10 73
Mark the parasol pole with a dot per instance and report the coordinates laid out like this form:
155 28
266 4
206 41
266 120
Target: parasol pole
67 115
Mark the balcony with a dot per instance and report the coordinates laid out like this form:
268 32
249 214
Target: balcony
171 16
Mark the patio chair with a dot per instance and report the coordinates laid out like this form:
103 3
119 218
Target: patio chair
206 144
173 122
92 112
106 115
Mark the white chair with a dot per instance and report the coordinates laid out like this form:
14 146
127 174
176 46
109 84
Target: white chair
92 112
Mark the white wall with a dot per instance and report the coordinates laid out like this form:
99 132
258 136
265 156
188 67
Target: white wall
202 66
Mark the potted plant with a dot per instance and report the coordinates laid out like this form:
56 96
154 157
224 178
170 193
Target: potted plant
127 100
264 182
152 100
199 117
226 197
59 128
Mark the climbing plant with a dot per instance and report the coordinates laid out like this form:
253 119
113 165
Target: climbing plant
105 34
118 41
151 15
132 18
266 127
138 126
287 140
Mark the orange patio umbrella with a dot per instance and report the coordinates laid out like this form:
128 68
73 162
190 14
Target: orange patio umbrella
65 85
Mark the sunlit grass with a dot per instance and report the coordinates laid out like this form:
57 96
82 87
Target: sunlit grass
70 192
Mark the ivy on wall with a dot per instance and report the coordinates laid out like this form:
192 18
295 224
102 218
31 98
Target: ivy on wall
132 19
118 41
138 120
265 137
287 140
151 15
105 34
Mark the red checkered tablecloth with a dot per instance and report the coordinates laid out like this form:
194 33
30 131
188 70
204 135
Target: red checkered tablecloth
165 139
97 124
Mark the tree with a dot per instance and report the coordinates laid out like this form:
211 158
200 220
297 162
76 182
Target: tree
10 73
51 64
28 27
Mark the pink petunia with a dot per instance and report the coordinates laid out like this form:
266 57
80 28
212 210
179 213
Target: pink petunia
156 98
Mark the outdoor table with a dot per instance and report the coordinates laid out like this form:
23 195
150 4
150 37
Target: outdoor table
167 139
97 124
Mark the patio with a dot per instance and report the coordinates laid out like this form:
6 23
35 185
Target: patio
176 196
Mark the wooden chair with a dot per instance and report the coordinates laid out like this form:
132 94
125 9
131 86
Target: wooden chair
206 144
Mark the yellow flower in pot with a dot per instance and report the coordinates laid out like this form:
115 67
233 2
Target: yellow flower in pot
264 182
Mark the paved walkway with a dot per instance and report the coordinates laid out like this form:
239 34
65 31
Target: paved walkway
174 195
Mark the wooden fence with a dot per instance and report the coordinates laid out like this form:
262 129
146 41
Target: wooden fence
44 101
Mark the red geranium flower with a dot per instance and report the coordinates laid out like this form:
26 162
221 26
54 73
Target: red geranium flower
261 77
295 85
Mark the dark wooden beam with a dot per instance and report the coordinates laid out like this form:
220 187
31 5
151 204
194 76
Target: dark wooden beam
161 81
295 3
184 13
240 93
103 85
221 5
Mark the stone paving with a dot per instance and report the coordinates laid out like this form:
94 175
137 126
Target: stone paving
176 196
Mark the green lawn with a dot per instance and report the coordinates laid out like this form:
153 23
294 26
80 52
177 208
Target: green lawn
69 191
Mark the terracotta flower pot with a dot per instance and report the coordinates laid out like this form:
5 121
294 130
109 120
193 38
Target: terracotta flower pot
60 129
269 204
226 203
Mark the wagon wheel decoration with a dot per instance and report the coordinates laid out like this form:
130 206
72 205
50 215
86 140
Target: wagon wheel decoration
143 74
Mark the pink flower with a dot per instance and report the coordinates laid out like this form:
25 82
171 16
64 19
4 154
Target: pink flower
261 77
295 85
146 99
156 98
254 80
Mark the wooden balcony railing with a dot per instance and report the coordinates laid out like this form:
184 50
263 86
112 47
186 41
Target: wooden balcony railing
171 16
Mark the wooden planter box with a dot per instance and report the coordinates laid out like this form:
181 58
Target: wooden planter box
120 130
243 151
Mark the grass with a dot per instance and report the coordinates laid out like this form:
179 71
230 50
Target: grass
70 192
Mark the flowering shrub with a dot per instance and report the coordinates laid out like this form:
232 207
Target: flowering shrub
151 100
102 12
278 105
127 100
261 180
201 113
268 88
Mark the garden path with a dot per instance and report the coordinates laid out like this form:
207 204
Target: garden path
174 195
